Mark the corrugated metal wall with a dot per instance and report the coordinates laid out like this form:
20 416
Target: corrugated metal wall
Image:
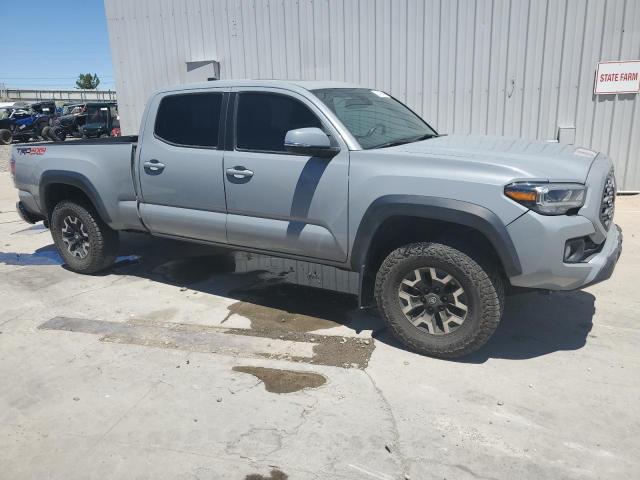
507 67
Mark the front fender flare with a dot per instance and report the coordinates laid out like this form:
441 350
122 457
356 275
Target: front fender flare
435 208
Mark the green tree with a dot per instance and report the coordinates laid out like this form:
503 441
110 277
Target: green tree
86 81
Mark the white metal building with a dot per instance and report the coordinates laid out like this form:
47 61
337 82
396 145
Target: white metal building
507 67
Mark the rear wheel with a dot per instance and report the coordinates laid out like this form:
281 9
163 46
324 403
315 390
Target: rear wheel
57 134
438 300
5 137
84 241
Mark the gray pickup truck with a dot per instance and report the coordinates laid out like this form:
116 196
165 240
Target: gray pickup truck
437 227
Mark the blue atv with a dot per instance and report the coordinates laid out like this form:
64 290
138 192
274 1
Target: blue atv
22 123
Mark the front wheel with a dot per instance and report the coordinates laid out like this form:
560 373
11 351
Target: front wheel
84 241
438 300
46 132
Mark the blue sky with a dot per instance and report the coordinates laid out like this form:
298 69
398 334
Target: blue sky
47 43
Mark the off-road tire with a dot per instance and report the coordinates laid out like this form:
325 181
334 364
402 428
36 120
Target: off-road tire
5 137
38 131
103 241
57 134
485 289
45 132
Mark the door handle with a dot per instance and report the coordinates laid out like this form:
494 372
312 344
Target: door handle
154 166
239 172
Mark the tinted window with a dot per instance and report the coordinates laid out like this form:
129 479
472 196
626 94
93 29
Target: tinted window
265 118
374 118
190 119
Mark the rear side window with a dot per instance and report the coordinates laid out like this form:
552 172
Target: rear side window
263 120
190 120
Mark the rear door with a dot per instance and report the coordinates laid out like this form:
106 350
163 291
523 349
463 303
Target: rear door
280 201
180 166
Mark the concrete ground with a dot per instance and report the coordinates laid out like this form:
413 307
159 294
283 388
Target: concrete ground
181 362
5 151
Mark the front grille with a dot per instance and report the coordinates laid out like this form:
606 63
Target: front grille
608 204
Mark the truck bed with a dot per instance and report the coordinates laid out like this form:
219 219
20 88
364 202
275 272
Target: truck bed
102 168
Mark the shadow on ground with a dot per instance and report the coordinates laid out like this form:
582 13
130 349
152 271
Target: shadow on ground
43 256
533 324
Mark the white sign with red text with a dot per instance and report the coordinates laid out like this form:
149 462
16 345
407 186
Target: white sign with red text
617 77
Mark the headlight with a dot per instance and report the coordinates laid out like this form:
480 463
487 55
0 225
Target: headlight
548 198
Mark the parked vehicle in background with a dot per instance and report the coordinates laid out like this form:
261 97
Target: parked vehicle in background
25 122
69 122
438 227
99 119
86 120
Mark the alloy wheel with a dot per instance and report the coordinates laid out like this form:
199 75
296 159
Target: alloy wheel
75 237
433 300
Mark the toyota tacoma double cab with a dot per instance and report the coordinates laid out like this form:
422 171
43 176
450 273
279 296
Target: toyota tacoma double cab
437 227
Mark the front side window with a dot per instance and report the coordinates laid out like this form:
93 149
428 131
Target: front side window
190 119
263 120
374 118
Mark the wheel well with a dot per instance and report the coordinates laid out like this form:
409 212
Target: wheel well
402 230
57 192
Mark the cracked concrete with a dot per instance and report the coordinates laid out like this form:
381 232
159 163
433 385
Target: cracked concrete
553 395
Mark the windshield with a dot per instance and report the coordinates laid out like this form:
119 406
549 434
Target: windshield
72 109
374 118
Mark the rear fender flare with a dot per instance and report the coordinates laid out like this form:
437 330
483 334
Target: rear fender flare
74 179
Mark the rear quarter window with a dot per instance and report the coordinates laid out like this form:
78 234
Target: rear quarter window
189 120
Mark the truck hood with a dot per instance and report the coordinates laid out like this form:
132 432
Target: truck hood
526 159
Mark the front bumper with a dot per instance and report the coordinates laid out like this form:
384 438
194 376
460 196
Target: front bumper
540 243
605 262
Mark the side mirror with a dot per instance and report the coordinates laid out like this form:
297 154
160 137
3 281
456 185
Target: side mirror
309 141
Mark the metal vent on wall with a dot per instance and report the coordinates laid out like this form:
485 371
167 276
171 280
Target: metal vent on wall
203 70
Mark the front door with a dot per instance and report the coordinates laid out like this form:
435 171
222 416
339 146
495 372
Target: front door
279 201
180 167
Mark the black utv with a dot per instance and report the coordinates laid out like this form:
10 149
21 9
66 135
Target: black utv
93 119
69 123
100 119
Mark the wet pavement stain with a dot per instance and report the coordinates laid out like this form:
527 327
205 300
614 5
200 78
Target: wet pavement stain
329 350
283 381
279 306
195 269
275 474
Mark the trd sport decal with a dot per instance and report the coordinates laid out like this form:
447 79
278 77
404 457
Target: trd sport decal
31 150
